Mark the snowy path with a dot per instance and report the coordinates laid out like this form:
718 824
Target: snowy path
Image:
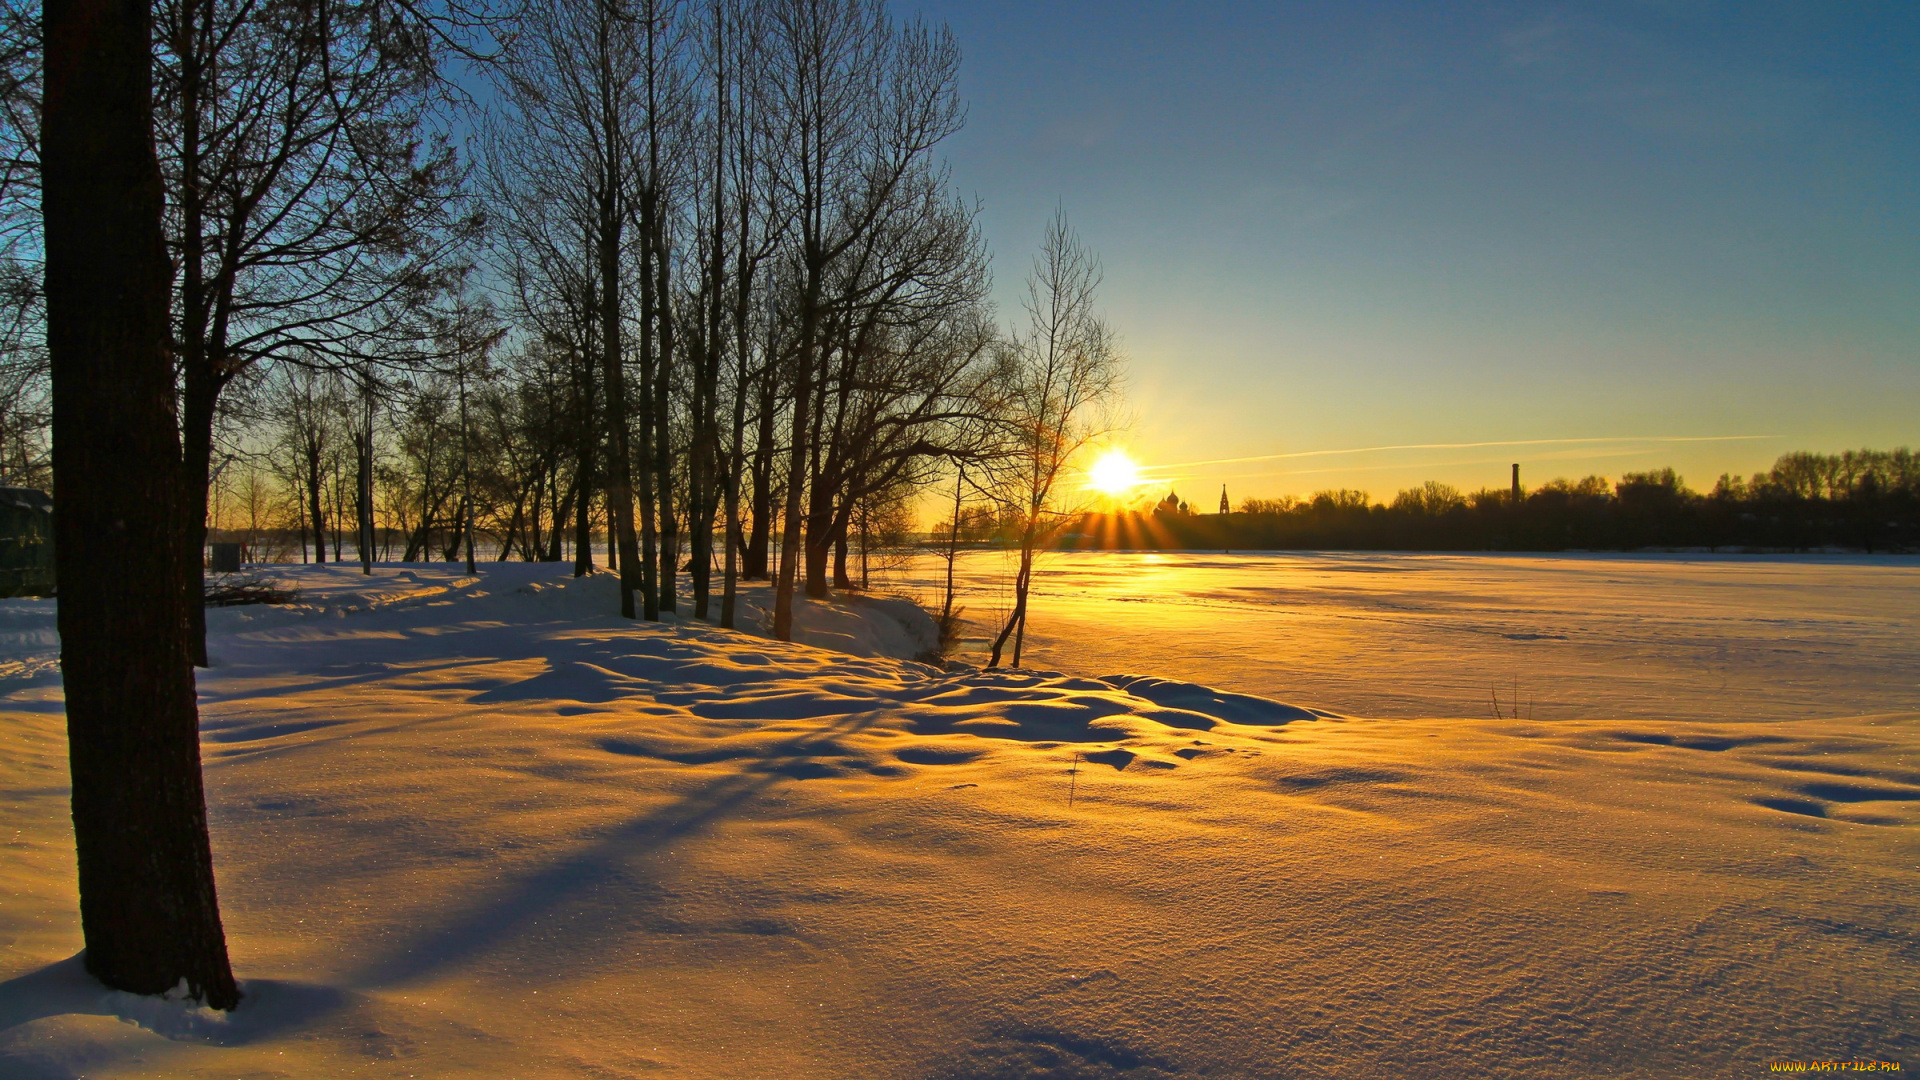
489 830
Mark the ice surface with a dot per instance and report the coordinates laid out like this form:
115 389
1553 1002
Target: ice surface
1695 637
485 828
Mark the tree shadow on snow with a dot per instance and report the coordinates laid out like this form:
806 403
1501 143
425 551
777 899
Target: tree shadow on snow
267 1007
522 905
271 1008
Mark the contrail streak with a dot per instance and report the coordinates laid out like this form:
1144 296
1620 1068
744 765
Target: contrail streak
1186 477
1461 446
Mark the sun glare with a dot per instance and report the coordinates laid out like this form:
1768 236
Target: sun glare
1115 473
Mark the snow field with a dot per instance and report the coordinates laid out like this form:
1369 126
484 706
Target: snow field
488 829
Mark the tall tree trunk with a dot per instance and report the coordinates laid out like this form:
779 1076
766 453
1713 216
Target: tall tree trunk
583 530
663 436
563 509
1025 588
736 461
148 906
583 475
755 561
820 488
700 507
1017 621
314 509
363 488
619 452
649 570
818 549
953 552
798 459
730 572
841 579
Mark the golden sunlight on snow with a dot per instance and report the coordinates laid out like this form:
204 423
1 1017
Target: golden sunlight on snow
487 830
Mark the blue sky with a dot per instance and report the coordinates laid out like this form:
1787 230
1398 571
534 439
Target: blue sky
1336 226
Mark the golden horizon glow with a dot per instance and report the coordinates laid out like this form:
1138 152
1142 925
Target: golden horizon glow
1115 473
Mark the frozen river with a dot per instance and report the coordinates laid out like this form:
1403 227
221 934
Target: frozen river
1685 637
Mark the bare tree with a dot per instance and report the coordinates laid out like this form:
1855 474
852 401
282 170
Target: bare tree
575 108
147 899
1061 368
309 406
310 208
540 232
862 103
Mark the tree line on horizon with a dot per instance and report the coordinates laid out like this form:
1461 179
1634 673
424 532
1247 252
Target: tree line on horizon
1867 500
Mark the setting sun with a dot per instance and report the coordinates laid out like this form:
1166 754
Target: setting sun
1115 473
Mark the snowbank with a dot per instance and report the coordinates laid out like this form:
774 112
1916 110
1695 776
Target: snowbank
486 828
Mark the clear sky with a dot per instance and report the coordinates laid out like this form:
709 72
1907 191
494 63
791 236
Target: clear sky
1331 226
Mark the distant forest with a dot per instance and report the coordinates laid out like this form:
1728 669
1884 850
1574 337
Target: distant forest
1863 500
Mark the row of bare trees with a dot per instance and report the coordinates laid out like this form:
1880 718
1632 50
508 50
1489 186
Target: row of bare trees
736 203
701 286
726 240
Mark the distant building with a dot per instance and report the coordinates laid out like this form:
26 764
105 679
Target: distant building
1225 506
26 542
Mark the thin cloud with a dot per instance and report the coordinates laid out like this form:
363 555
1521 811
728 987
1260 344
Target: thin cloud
1461 446
1182 477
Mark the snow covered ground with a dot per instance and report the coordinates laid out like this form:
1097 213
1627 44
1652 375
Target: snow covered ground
1695 637
486 828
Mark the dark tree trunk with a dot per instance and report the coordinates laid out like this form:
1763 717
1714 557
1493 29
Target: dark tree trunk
1016 624
619 461
819 547
663 430
649 526
730 574
700 543
363 495
147 901
564 508
583 479
583 532
754 560
821 489
953 553
314 509
798 461
841 579
730 579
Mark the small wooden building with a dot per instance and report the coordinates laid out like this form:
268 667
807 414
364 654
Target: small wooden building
26 542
